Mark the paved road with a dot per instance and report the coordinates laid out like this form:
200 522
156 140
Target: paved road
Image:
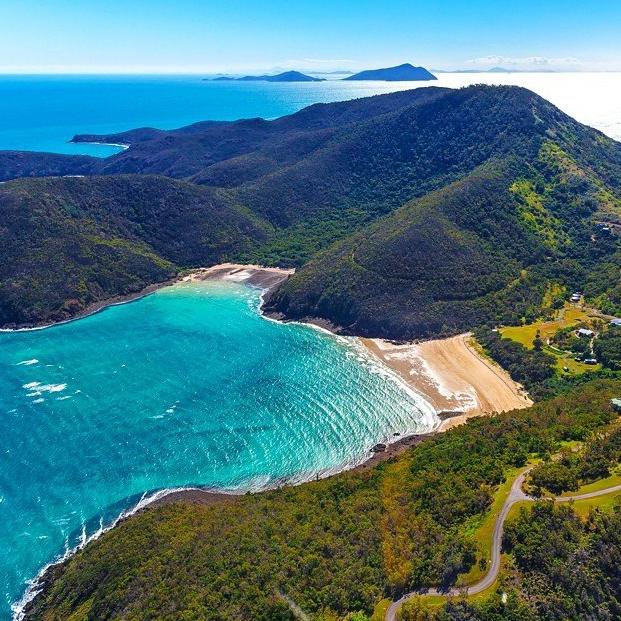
515 495
601 492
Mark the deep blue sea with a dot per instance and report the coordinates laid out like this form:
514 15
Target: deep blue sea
189 386
42 113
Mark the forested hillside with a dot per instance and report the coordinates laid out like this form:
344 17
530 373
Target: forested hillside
69 242
339 546
483 249
411 214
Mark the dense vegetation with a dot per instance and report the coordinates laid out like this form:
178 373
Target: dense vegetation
413 214
530 367
573 469
561 569
483 249
607 348
333 547
69 242
15 164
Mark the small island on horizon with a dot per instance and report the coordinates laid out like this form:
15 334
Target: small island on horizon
287 76
401 73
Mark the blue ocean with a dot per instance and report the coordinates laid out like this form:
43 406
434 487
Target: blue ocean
190 385
42 113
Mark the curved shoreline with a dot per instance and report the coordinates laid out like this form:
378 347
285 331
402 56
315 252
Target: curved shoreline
121 145
263 278
206 496
96 307
205 273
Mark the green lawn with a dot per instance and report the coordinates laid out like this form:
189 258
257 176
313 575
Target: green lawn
380 610
570 315
605 503
612 480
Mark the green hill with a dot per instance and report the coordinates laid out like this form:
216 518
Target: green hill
482 249
410 214
339 546
67 243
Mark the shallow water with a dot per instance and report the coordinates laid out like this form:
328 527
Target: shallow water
42 113
187 386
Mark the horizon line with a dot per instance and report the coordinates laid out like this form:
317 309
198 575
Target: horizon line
196 72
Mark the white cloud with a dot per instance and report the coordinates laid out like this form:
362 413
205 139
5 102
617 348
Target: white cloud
526 62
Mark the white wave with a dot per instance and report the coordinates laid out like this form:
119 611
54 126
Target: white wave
41 388
34 586
40 400
53 387
28 363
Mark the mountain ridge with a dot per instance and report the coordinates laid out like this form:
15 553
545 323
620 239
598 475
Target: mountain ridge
414 172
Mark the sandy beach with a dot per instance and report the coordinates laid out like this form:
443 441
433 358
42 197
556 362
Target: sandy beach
453 376
450 374
256 275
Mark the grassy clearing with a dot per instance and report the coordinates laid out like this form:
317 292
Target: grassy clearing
604 503
570 315
380 610
611 481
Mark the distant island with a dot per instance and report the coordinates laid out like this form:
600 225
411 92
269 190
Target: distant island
401 73
287 76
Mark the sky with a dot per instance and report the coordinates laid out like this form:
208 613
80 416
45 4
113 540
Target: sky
235 36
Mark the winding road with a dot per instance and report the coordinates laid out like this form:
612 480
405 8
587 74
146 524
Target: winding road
516 494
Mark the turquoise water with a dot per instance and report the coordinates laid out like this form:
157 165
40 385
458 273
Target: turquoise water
188 386
42 113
